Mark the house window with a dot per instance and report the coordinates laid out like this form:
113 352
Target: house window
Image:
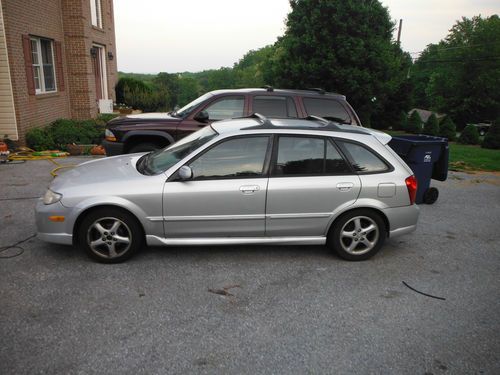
42 55
96 13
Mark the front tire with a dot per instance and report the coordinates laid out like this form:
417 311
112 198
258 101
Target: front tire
357 235
110 235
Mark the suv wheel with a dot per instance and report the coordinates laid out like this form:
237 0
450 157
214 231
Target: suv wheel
143 147
357 235
110 235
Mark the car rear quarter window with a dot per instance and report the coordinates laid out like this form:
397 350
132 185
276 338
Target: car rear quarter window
364 160
234 158
326 108
298 156
274 106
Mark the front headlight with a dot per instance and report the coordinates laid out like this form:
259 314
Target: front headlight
50 197
109 136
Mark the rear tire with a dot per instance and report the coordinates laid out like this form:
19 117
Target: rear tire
110 235
144 147
357 235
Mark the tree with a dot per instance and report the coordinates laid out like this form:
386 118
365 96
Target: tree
469 136
344 46
188 90
447 129
131 84
168 84
402 124
414 123
460 74
431 127
492 138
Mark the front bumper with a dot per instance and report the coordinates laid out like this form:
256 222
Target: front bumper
113 148
54 232
402 220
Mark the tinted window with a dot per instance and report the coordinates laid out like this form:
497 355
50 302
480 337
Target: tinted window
226 108
363 159
306 156
237 157
335 163
326 108
274 106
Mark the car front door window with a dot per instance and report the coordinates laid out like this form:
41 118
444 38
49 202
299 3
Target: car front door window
226 108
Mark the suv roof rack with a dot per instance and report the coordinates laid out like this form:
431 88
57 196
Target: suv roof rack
318 90
268 88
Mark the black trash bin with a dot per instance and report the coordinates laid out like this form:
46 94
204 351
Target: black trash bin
427 156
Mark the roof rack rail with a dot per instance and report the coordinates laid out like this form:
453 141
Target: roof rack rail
263 119
318 90
268 88
323 120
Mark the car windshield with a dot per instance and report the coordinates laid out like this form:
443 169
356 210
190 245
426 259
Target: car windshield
190 106
159 161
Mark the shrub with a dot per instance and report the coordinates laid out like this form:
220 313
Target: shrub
469 136
63 132
492 138
447 129
147 101
39 139
105 117
132 84
431 127
414 123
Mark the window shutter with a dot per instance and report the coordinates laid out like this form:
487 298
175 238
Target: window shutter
28 64
59 66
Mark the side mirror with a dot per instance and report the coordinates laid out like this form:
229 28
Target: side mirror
202 116
185 173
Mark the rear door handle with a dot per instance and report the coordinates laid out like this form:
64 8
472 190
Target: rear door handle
249 189
345 186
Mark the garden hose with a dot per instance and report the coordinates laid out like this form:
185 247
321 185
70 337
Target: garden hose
25 153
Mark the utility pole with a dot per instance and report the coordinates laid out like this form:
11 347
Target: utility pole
399 29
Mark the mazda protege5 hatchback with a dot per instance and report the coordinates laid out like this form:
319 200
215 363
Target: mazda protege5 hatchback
244 181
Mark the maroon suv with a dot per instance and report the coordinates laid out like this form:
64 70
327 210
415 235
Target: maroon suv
150 131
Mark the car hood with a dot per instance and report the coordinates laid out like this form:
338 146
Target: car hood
142 118
96 173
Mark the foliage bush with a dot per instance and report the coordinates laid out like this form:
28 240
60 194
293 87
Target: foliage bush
39 139
431 127
492 138
469 136
63 132
447 129
146 101
132 84
414 123
403 122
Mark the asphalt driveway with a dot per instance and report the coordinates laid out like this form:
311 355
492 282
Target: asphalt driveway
285 310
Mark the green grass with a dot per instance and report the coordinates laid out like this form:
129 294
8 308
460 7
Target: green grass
465 157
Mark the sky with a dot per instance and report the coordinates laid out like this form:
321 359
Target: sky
193 35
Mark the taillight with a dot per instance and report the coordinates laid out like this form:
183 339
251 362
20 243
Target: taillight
411 184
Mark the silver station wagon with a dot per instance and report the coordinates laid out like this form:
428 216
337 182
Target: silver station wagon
244 181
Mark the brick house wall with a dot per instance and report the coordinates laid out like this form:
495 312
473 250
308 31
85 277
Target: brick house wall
67 22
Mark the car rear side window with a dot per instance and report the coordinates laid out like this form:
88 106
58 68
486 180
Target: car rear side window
327 108
226 108
234 158
364 160
274 106
308 156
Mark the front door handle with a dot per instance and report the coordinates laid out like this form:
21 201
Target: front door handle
249 189
345 186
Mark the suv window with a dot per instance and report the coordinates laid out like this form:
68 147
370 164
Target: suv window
364 160
237 157
326 108
308 156
226 108
274 106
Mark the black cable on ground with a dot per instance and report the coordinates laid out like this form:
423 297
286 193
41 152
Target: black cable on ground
13 162
14 246
422 293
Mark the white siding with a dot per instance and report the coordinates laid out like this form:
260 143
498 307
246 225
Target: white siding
7 113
